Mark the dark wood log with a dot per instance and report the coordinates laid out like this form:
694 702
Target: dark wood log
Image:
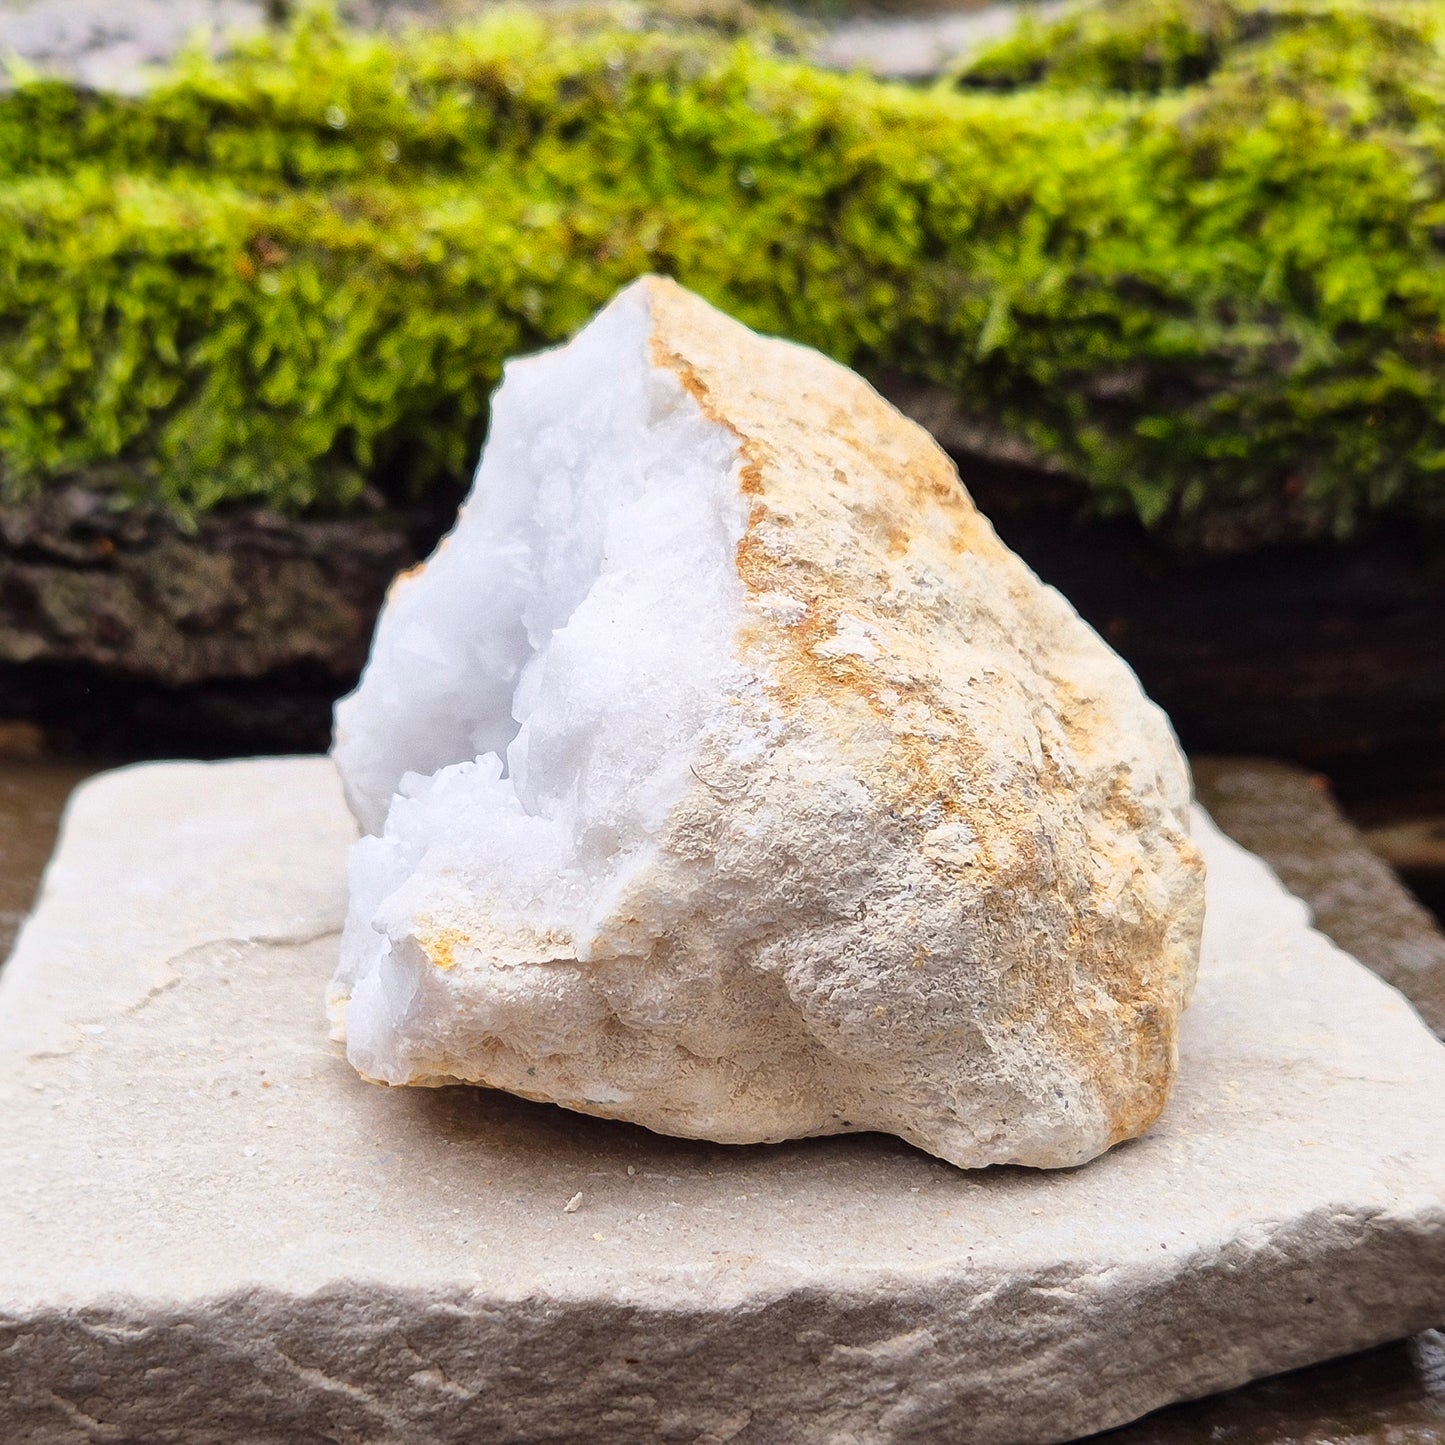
125 634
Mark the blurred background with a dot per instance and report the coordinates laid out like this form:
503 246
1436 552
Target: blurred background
1166 278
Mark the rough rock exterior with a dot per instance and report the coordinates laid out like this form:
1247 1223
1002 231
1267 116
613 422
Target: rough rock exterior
211 1231
847 823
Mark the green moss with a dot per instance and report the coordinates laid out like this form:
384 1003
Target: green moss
1190 248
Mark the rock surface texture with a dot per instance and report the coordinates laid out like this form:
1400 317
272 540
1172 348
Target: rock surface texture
211 1230
729 776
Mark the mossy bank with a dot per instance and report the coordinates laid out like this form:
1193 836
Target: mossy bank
1189 250
1188 253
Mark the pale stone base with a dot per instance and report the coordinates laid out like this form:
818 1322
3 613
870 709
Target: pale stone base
211 1229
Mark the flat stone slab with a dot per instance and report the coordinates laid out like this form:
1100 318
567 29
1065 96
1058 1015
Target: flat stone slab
211 1229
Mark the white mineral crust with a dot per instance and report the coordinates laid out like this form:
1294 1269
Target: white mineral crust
723 772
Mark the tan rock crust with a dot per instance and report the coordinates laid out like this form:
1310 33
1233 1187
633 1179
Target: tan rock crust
931 871
888 517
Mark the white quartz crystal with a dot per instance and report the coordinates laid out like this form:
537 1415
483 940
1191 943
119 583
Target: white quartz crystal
723 772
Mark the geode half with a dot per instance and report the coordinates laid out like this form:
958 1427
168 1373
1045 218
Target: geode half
724 773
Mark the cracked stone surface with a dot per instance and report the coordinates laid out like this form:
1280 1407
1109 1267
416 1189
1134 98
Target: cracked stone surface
210 1229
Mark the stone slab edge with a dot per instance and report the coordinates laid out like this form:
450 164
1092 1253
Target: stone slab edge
899 1360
